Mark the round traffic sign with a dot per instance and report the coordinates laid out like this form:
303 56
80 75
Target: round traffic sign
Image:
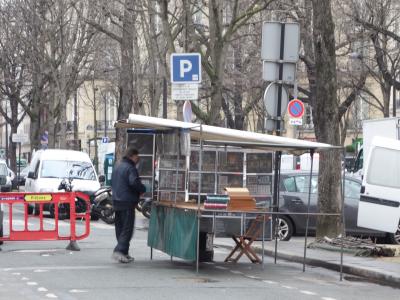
296 108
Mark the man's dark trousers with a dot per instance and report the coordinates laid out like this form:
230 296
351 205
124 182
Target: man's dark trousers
124 224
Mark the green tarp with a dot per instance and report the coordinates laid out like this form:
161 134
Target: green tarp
173 231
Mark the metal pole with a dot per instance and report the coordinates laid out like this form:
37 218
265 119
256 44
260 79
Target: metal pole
343 217
279 107
76 135
198 199
19 163
178 155
308 209
263 237
153 181
394 96
7 138
105 116
165 98
275 205
278 133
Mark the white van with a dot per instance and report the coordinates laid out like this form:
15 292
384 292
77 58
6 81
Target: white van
49 167
379 206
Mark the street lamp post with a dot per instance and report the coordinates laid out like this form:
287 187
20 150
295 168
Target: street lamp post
105 115
96 163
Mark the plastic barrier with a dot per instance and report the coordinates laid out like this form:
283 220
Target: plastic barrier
56 201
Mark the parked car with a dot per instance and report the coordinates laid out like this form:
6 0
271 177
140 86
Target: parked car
294 188
49 167
5 177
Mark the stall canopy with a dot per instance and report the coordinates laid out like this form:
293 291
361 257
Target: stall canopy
220 135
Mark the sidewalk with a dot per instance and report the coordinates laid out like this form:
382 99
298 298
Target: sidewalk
385 270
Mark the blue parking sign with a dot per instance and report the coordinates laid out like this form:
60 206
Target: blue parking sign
185 68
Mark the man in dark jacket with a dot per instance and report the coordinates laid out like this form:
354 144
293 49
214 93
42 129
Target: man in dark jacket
126 190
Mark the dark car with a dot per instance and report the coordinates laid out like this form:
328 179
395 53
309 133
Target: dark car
294 198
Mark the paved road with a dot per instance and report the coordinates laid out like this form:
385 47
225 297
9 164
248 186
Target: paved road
45 270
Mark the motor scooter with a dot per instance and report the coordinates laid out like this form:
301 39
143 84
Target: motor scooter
102 206
145 206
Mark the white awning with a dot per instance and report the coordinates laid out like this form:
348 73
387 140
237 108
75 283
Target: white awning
220 135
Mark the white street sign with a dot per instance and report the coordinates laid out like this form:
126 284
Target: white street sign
19 138
187 91
296 121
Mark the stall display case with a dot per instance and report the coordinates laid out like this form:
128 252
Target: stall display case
229 167
145 144
259 173
171 181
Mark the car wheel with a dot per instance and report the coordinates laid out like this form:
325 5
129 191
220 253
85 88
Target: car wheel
284 228
394 238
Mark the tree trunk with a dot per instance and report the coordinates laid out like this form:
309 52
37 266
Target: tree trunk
386 88
14 126
96 153
326 116
218 61
50 122
126 76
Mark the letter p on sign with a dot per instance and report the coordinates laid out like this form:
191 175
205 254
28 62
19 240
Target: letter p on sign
185 66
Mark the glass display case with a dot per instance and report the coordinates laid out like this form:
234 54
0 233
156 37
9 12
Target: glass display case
170 179
221 167
230 167
145 144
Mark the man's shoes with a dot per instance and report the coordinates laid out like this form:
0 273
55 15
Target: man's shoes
130 258
122 258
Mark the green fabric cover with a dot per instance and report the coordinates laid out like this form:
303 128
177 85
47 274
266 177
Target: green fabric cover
173 231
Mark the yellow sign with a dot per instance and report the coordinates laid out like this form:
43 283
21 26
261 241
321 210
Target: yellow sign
44 197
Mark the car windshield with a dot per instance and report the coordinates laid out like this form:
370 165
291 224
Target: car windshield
3 170
67 169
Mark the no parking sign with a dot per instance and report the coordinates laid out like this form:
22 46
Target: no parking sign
296 112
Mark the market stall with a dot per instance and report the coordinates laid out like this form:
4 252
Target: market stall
197 161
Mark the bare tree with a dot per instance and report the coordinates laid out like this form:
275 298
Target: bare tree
379 20
122 15
57 49
13 74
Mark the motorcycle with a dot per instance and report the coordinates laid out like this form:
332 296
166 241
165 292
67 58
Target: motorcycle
63 208
145 206
102 206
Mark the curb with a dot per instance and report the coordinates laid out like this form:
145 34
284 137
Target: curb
376 276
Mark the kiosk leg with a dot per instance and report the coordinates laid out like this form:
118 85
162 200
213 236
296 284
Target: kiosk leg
263 235
198 243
